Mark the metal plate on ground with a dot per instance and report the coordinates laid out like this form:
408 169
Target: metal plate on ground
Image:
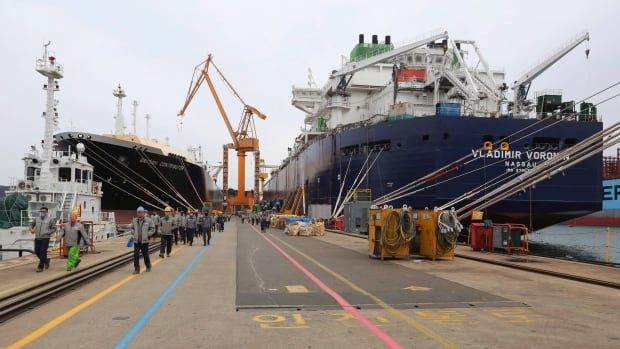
265 279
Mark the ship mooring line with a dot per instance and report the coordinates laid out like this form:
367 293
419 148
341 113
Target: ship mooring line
50 325
444 342
344 304
144 319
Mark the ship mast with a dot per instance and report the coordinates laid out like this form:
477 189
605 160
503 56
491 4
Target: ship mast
47 67
148 124
133 115
120 122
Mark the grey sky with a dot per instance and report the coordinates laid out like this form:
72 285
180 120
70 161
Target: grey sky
264 47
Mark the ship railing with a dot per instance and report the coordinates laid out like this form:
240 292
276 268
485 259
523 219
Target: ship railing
574 116
338 102
99 217
61 153
553 92
372 54
43 64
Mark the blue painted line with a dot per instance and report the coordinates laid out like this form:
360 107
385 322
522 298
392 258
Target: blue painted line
139 325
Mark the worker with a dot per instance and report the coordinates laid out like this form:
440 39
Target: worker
208 222
156 221
220 222
42 227
190 228
199 223
168 224
143 229
74 232
264 222
175 230
182 225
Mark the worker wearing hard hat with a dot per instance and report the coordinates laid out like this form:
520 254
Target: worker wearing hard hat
73 232
168 224
143 229
190 228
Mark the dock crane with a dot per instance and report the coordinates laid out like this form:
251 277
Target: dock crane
244 138
264 175
522 85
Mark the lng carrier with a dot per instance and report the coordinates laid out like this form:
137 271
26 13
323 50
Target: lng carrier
393 114
142 171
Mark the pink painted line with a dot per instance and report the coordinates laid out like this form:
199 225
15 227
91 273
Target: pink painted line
379 333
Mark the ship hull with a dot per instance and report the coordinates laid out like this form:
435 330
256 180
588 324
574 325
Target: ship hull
416 147
135 175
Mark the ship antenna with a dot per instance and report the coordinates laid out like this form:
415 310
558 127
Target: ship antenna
133 115
148 124
311 81
47 67
119 93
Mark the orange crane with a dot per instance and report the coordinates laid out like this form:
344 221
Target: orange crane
244 139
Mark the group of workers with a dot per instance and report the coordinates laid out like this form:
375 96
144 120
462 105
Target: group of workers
261 219
172 227
73 232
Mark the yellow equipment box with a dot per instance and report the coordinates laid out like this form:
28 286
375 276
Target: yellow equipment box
433 243
389 232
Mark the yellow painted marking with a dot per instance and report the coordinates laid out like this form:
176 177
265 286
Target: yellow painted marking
297 289
417 288
512 315
445 342
444 317
271 321
345 317
36 334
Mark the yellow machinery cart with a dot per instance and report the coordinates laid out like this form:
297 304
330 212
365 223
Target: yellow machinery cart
389 232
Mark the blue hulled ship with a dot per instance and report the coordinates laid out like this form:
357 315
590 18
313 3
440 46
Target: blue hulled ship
394 114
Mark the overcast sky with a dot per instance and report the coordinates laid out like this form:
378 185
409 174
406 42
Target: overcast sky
264 47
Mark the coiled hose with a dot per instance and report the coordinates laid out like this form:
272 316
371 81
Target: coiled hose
398 230
449 229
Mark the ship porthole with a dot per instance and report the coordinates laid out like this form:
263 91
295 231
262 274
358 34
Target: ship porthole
526 146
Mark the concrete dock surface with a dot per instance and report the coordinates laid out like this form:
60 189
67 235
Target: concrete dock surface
254 290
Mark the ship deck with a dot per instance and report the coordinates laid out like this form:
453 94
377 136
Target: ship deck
254 290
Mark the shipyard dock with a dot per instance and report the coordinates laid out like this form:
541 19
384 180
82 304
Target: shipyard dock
254 290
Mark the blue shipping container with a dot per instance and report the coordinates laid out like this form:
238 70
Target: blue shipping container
448 109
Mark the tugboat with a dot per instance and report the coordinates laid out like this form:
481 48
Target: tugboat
58 180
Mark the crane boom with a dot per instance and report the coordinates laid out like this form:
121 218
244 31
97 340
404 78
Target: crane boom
551 60
201 73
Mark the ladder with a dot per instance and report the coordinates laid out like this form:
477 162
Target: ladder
68 201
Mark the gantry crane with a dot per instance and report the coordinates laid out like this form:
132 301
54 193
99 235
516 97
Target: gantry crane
244 139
